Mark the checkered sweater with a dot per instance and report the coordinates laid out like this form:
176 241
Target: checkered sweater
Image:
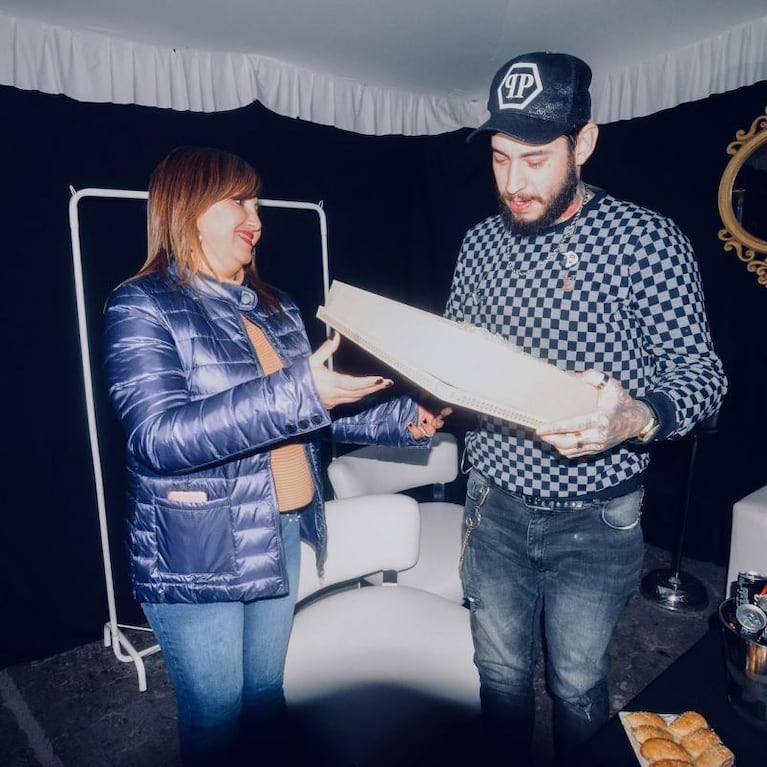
630 306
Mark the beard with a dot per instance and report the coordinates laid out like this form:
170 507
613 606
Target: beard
557 205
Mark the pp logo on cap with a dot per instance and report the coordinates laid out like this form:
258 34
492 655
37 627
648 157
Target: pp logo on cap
519 86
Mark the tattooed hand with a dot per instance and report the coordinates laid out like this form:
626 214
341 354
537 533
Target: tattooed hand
618 417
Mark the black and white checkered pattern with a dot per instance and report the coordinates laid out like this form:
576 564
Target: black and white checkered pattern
631 306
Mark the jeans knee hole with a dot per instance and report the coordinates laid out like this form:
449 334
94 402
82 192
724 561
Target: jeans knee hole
473 603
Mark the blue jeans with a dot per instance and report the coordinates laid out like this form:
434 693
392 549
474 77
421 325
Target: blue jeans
577 565
226 662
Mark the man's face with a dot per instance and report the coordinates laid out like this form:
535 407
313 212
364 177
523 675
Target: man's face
536 182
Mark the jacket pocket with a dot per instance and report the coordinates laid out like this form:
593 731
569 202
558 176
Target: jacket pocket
194 537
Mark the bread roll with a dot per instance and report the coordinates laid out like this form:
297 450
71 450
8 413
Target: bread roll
687 722
646 731
697 741
717 755
661 748
636 718
672 763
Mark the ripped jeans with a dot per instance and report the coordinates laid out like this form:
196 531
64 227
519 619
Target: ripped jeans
577 564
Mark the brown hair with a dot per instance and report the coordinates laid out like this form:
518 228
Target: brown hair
184 185
571 134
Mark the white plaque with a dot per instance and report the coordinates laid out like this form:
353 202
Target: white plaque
457 363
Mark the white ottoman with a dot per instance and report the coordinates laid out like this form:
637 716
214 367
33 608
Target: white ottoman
748 538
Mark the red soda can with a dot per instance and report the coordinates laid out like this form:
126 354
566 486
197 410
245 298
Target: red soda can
751 589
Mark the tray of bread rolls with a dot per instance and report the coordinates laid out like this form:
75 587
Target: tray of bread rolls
674 740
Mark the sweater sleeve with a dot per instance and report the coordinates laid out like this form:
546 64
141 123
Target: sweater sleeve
688 382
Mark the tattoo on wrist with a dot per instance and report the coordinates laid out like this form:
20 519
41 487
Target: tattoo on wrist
631 416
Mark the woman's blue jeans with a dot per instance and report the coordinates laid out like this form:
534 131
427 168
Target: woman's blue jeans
226 662
577 565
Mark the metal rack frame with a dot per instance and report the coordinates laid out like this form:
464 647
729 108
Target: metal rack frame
114 631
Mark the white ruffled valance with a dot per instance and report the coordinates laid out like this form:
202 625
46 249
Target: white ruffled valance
89 66
94 67
724 62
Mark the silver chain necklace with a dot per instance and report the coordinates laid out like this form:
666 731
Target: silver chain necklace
569 257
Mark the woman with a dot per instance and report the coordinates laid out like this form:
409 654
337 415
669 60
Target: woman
212 377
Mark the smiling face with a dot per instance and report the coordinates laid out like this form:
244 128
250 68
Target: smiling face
537 183
228 230
202 215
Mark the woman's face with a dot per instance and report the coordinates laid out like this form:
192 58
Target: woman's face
228 230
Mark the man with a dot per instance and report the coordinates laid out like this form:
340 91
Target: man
609 291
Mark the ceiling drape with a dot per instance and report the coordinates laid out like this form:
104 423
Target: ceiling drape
89 66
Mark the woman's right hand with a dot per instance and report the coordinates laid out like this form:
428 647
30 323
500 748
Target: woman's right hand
337 388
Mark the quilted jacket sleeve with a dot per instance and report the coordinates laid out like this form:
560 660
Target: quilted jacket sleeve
168 429
382 424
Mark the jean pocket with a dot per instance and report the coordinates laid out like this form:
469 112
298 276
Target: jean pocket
194 537
623 513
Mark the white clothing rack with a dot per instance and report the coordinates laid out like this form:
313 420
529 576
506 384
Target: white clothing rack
114 635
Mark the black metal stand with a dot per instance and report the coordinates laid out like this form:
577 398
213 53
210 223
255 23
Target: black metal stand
671 587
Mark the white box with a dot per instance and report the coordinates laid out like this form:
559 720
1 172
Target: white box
457 363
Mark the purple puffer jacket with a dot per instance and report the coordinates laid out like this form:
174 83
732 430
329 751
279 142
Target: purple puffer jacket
200 417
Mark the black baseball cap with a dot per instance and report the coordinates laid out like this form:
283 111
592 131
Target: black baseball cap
538 96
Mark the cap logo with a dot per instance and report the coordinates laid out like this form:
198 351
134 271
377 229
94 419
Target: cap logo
519 86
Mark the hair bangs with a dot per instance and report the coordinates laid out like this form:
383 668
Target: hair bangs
227 177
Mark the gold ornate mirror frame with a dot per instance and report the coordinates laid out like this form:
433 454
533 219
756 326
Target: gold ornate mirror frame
734 236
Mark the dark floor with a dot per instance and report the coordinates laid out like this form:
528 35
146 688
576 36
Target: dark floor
83 708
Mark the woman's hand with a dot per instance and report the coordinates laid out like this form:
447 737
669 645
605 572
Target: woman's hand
336 388
428 423
618 417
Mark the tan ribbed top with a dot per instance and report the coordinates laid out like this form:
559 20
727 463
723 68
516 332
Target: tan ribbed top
290 466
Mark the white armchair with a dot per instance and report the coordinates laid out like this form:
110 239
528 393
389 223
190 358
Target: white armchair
378 673
375 469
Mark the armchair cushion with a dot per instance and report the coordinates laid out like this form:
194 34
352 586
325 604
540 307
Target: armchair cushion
365 535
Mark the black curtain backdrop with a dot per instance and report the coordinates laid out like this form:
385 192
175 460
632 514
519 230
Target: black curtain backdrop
397 208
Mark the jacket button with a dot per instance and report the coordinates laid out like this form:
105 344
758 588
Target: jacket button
290 428
303 424
316 419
